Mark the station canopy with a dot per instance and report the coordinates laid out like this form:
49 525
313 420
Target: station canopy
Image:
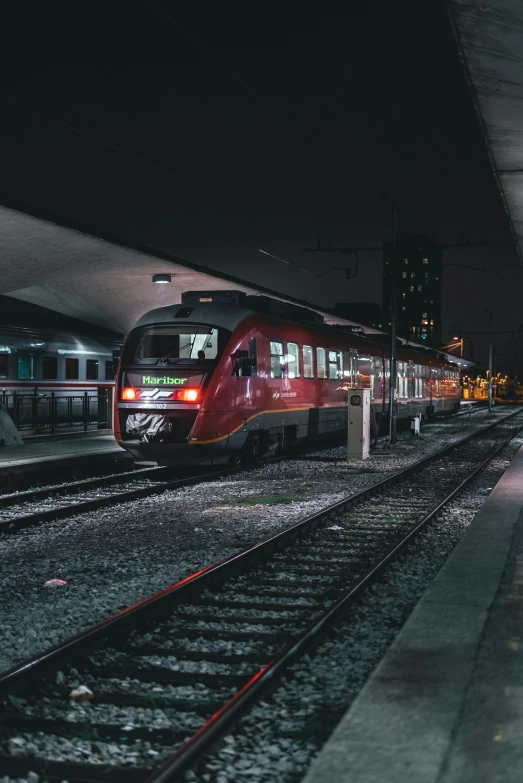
490 43
100 281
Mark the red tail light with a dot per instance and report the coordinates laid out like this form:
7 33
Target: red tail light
129 393
187 395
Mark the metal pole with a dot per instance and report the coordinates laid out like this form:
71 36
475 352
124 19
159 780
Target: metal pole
490 375
393 325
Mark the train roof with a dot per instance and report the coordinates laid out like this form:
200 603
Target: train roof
208 314
227 309
36 339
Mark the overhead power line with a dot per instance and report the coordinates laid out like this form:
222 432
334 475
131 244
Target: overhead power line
305 271
119 149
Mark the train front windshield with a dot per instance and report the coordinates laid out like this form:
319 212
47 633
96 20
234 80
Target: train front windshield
176 344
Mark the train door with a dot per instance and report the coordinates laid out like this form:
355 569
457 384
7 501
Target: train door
378 389
411 381
353 367
430 408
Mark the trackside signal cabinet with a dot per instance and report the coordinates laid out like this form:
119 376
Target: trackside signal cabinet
358 437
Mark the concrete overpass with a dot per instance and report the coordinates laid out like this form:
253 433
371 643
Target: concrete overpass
489 36
100 280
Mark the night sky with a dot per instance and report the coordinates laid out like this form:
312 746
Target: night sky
212 131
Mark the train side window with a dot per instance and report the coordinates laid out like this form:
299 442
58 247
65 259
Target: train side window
364 378
25 367
71 369
308 367
293 360
91 369
333 365
320 363
4 365
400 380
277 359
49 368
109 371
253 358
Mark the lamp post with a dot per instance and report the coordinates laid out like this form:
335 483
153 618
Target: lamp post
490 375
457 343
393 325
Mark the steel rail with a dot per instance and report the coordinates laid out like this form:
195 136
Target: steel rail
57 490
66 511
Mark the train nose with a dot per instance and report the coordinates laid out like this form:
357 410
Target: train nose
172 427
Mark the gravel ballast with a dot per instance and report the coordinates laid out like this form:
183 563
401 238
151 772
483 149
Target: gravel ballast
113 557
307 705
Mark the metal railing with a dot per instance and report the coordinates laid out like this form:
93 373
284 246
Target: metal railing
48 412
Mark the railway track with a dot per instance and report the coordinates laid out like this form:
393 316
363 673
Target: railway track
171 674
32 507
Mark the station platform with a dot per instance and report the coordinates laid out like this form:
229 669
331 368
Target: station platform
54 459
445 704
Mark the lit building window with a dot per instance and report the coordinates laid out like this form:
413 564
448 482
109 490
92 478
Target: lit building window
404 274
413 274
420 288
425 323
424 315
412 288
403 308
425 260
404 295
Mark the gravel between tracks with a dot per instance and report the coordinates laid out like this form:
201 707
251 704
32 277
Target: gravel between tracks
113 557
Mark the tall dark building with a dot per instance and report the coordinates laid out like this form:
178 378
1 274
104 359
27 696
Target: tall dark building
419 287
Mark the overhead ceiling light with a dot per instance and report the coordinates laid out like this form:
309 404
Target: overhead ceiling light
161 278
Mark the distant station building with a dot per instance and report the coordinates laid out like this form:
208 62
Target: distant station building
419 288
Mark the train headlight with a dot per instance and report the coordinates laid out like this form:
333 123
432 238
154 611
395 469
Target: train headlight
129 393
187 395
191 395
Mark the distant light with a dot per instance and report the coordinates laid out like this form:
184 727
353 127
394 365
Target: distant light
455 338
161 278
36 345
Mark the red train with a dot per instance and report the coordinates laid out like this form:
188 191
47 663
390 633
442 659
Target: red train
225 375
